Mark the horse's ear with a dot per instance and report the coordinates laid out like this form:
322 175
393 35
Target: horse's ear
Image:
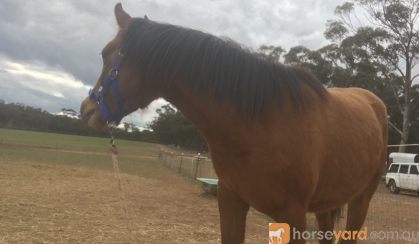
121 16
145 17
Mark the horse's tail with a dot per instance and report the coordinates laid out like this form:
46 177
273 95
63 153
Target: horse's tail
336 214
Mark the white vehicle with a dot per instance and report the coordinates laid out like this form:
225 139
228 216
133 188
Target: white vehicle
403 173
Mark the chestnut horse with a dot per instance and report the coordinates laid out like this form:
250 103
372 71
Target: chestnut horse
280 142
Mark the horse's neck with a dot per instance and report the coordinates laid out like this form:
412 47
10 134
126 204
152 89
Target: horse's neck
210 117
225 128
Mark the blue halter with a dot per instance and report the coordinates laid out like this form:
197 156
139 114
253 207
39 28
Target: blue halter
98 96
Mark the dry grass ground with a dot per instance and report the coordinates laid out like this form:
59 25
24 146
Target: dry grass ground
45 203
388 214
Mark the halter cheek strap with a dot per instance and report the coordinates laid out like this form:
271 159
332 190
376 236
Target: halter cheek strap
111 83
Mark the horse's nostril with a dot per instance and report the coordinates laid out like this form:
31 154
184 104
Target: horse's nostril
86 116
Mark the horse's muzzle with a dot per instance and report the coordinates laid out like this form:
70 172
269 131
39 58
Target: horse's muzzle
85 116
87 110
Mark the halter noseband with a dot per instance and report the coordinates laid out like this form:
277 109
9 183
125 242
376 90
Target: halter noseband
110 83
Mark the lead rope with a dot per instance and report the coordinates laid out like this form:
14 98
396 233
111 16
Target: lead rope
117 176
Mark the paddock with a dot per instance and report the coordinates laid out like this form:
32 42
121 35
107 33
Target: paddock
66 193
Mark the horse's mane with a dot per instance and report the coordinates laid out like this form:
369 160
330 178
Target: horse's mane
212 65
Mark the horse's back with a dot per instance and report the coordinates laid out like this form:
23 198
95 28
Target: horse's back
358 103
355 139
359 96
359 119
373 117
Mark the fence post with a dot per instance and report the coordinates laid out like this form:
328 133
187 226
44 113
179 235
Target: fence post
171 160
165 158
180 163
197 165
192 169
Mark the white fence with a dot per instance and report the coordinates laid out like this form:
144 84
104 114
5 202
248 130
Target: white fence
193 165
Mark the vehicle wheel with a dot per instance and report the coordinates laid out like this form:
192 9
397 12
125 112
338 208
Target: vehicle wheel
392 187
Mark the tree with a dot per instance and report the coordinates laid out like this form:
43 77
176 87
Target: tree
322 62
272 53
171 127
387 46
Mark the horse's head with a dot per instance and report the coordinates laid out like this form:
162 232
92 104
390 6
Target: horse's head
118 90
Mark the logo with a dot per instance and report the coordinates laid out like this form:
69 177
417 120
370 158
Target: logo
279 233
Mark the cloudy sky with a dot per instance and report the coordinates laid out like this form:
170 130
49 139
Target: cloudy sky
49 50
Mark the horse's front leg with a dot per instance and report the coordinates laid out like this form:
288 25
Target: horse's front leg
293 214
233 212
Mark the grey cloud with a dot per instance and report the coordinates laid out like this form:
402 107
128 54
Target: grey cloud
56 33
19 94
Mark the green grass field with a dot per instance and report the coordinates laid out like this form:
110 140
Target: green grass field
69 141
51 148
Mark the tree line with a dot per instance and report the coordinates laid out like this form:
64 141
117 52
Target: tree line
170 127
20 116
